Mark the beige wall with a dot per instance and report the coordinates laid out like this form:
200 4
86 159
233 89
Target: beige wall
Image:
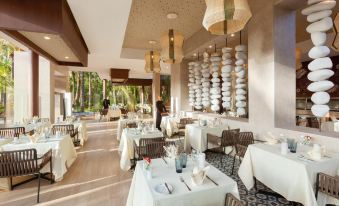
179 88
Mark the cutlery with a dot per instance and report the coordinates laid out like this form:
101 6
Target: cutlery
183 181
164 160
305 158
212 180
169 191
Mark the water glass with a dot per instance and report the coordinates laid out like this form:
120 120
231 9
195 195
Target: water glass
178 165
183 159
294 146
290 142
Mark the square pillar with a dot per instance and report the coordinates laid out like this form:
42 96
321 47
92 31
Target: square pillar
46 91
155 91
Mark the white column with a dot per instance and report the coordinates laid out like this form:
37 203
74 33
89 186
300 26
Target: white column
22 85
46 88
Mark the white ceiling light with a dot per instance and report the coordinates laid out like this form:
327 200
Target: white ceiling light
66 57
47 37
172 15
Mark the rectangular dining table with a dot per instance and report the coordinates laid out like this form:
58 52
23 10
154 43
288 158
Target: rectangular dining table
82 130
142 192
122 123
63 152
293 175
126 147
196 135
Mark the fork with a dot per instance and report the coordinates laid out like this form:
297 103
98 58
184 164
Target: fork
183 181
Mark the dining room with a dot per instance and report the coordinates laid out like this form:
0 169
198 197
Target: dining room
169 102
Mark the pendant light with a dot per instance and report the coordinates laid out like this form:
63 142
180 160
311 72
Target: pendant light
171 44
152 59
226 16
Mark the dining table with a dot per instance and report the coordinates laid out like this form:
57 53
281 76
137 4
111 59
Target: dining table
63 151
169 125
81 127
122 123
211 192
126 146
196 135
292 175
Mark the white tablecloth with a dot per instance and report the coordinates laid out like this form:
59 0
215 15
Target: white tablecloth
141 192
113 113
193 115
287 175
196 136
82 130
330 126
169 124
122 124
64 153
126 147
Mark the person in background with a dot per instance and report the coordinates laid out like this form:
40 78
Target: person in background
106 103
161 109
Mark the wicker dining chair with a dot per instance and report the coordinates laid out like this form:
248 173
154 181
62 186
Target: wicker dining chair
131 125
24 162
140 149
328 185
156 149
182 123
11 132
228 139
231 200
67 129
245 139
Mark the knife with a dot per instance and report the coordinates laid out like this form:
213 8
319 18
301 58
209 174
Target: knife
212 180
169 191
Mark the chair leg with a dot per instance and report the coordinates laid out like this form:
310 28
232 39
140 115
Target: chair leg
38 198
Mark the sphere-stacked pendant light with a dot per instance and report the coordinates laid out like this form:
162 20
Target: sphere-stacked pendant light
198 86
319 15
215 91
241 87
191 83
226 70
205 80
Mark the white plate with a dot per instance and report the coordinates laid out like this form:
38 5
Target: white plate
161 188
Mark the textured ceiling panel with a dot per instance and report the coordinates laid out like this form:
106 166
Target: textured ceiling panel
147 20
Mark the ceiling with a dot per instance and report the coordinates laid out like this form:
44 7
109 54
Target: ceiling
54 46
148 21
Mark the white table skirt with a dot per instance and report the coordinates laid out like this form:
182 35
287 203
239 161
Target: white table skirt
285 174
196 136
113 113
207 194
169 124
126 147
64 153
122 124
193 115
82 130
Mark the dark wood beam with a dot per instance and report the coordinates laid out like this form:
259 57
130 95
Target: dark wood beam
136 82
50 17
119 73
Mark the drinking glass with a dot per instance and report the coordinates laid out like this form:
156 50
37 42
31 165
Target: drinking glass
290 142
183 159
294 146
178 166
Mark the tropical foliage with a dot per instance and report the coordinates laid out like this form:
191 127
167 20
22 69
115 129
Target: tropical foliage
6 72
87 90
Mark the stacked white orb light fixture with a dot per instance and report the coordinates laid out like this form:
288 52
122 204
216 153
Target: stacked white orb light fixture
226 70
318 14
198 86
215 90
191 83
205 81
241 87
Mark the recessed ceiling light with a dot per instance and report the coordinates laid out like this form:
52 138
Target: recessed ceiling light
232 35
210 46
47 37
66 57
172 15
195 54
152 42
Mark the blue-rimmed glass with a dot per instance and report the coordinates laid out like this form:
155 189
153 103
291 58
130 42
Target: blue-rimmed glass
178 165
183 159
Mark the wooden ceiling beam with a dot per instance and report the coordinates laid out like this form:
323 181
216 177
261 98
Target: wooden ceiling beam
50 17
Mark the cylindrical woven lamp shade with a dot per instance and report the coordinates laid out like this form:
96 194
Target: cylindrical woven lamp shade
152 59
226 16
171 44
